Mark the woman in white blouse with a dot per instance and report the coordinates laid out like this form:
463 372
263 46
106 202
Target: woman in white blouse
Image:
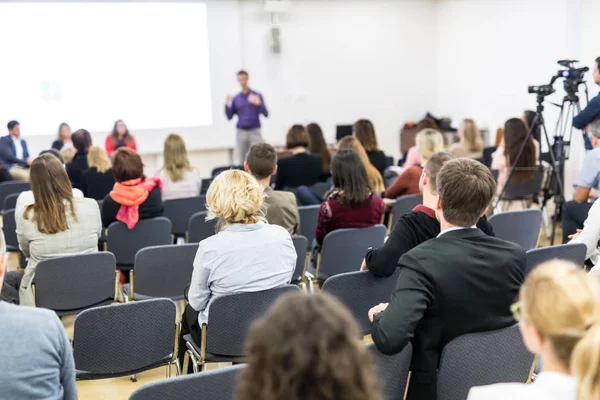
179 178
559 314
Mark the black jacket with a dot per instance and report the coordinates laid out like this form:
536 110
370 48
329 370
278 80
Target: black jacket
411 230
461 282
96 185
378 159
152 207
76 167
297 170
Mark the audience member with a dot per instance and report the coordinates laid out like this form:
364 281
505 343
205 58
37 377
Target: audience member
246 254
35 355
470 144
416 227
375 178
463 281
576 211
64 137
98 180
319 146
429 141
68 153
281 207
55 153
352 203
179 178
82 141
559 314
55 224
412 156
119 137
134 196
302 168
307 347
364 131
14 154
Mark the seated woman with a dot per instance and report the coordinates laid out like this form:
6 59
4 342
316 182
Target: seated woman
307 347
412 156
429 141
559 314
64 137
470 144
352 203
302 168
246 254
179 178
97 180
319 146
119 137
134 197
364 131
56 223
375 178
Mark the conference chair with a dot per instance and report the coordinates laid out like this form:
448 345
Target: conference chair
228 322
205 185
301 246
392 372
125 339
124 243
404 205
10 201
525 192
218 384
12 187
68 285
9 227
521 227
179 212
199 228
359 291
483 358
574 252
218 170
161 271
309 217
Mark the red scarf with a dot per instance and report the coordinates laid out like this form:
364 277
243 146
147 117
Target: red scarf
130 194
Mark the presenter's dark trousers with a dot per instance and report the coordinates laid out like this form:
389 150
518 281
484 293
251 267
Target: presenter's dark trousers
574 215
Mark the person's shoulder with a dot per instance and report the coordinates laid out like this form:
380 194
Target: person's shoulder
283 196
276 231
41 318
500 391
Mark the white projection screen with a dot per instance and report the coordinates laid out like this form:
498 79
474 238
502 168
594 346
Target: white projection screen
91 63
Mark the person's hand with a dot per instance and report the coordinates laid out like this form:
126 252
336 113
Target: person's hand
377 309
575 235
389 203
254 99
364 267
29 161
228 99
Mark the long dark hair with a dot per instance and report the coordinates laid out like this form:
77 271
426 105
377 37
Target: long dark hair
350 178
115 136
515 133
529 118
318 145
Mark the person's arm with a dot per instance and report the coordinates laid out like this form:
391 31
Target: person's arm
382 262
108 145
110 208
262 107
581 194
323 223
588 114
7 156
412 157
67 364
199 293
20 231
25 150
132 144
230 109
587 179
485 226
297 223
590 235
401 184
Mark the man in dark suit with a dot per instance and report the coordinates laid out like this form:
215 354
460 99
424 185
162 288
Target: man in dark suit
460 282
82 141
14 155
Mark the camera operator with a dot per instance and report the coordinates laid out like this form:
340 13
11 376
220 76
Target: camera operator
592 111
575 212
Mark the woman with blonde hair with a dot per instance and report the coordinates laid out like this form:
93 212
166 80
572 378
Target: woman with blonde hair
180 179
364 131
307 347
429 142
97 180
375 178
470 144
246 255
559 314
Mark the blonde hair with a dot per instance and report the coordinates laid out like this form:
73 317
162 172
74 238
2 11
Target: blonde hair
68 154
563 304
471 139
98 158
176 161
235 197
375 179
429 141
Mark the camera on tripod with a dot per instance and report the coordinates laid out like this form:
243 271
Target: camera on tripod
573 76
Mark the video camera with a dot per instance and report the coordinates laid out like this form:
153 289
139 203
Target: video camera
573 76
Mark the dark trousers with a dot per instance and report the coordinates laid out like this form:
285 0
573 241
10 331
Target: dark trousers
306 197
189 325
574 215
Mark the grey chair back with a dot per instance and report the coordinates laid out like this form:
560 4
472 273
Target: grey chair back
404 205
525 190
124 339
359 291
125 243
10 202
164 271
521 227
71 284
574 252
218 170
12 187
217 384
482 358
230 318
179 212
344 249
301 246
391 371
9 227
205 185
199 228
309 217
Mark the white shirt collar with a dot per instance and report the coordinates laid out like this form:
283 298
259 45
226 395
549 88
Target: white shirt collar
454 228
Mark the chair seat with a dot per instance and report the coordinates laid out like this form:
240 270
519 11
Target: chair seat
10 248
83 375
213 357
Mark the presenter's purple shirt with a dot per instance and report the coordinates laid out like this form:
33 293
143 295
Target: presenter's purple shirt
247 113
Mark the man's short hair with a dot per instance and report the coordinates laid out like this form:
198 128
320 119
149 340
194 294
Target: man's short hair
261 160
598 62
433 167
466 189
82 140
242 72
594 128
12 124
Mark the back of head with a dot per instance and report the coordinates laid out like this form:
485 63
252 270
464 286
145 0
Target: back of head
433 166
594 128
426 123
429 141
318 145
471 136
234 197
515 133
375 179
350 177
365 133
175 157
297 136
82 140
55 153
127 165
68 153
306 347
466 189
261 160
97 158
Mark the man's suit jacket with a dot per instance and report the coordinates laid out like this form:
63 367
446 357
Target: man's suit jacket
460 282
282 210
8 152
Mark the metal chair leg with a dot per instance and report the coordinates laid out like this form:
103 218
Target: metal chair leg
177 368
186 362
133 378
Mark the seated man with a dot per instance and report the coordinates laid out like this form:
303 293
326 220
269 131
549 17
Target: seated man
416 227
463 281
82 141
282 209
14 154
35 355
575 212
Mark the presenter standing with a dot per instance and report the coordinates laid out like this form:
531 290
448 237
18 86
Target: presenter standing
248 105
